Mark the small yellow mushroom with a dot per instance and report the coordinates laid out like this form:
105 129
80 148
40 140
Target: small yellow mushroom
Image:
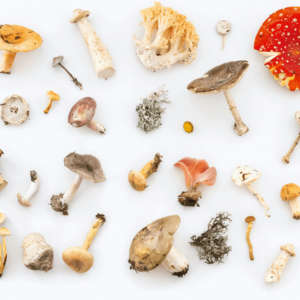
52 97
4 232
188 127
2 217
249 220
138 179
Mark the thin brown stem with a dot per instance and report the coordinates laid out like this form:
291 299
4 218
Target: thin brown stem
248 241
286 158
73 78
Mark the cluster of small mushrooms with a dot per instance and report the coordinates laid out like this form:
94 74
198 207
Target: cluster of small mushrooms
169 38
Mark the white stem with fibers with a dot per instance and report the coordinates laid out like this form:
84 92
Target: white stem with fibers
33 188
176 262
295 207
68 196
286 158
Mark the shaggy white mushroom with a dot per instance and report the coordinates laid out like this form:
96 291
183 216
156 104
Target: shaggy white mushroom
33 188
223 27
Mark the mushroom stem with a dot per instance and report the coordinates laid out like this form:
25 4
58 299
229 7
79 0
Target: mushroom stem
3 183
239 125
248 240
48 106
73 78
93 231
176 263
286 158
295 207
7 61
33 188
259 197
68 196
96 126
1 152
1 264
224 41
3 261
151 166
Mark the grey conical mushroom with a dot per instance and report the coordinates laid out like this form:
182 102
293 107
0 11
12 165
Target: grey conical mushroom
85 167
221 79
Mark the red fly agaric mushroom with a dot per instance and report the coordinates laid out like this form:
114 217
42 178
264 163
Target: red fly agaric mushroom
14 39
82 113
278 38
196 171
221 79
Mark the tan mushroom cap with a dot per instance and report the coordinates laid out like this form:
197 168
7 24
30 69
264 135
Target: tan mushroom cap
2 217
78 14
290 191
78 259
288 248
52 96
250 219
16 38
4 231
137 181
152 244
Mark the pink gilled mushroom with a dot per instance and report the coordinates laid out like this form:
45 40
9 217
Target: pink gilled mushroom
196 171
82 113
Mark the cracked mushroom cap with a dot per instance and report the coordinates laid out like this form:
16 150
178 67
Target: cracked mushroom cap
2 218
87 166
16 38
219 79
78 259
4 231
244 174
82 112
152 244
289 248
14 110
290 191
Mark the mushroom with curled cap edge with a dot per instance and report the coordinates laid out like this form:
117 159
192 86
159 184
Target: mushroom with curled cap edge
33 188
78 258
153 245
138 179
221 79
3 232
249 220
82 113
14 110
3 183
14 39
244 175
85 167
223 27
275 271
2 218
286 158
57 62
38 255
291 192
278 39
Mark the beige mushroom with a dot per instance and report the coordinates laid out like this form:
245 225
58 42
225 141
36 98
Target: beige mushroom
2 218
3 232
223 27
291 192
52 97
3 183
33 188
78 258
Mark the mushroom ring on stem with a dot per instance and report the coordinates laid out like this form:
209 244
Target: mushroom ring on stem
153 245
275 271
2 218
138 179
3 183
82 113
14 39
223 27
38 255
221 79
278 40
286 158
291 192
244 175
101 58
3 232
14 110
196 171
52 97
85 167
249 220
78 258
33 188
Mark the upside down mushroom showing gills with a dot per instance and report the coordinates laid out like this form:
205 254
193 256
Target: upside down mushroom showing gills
3 232
221 79
101 58
14 39
85 167
153 245
78 258
3 183
278 40
196 171
244 175
168 38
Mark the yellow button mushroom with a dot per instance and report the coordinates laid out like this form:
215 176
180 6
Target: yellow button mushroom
52 97
4 232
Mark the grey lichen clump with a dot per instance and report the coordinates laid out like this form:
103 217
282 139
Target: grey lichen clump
212 244
150 110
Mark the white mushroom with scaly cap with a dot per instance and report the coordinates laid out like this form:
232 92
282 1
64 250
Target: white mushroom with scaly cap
33 188
243 176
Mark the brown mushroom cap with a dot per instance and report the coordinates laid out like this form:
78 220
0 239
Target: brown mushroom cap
87 166
82 112
78 259
16 38
4 231
290 191
250 219
137 181
152 244
289 248
219 79
57 60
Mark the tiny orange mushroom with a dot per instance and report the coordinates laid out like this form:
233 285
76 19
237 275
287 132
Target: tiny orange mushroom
52 97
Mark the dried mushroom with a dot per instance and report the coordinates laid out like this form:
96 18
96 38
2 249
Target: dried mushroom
52 97
250 221
223 27
290 193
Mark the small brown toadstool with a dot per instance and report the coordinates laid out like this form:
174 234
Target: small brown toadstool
249 220
221 79
3 232
290 192
52 97
78 258
138 179
14 39
2 218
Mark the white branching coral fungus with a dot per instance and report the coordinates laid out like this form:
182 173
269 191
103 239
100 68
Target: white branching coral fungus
175 38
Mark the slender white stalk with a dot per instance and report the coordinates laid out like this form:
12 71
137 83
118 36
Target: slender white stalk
295 207
96 126
33 188
68 196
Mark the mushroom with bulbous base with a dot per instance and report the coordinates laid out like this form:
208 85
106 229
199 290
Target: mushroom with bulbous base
78 258
291 192
249 220
3 232
223 27
33 188
138 179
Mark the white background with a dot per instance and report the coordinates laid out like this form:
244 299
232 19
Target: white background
42 142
